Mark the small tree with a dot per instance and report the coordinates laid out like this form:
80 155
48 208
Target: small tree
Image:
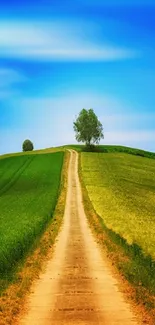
27 145
88 128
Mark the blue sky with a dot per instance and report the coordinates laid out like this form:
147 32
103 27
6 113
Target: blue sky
59 57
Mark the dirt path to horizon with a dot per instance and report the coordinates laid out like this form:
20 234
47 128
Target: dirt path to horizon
77 286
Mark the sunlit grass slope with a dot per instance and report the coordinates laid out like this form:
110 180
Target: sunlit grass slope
34 152
29 187
122 190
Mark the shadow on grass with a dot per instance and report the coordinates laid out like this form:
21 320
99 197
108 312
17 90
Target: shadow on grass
140 269
112 149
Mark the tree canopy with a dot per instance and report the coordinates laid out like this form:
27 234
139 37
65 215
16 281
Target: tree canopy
28 145
88 129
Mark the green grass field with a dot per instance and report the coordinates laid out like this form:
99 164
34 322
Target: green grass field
122 190
29 188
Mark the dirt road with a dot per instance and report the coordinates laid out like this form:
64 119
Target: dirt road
77 286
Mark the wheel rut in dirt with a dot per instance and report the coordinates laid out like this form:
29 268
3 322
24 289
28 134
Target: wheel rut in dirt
77 287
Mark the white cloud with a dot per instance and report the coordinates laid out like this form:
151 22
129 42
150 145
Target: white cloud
114 114
137 139
72 103
129 136
128 117
122 121
10 76
55 41
8 79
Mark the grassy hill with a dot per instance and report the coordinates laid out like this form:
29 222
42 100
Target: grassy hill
34 152
121 189
82 148
29 187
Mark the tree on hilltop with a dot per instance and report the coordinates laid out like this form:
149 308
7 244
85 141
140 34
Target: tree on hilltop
28 145
88 129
